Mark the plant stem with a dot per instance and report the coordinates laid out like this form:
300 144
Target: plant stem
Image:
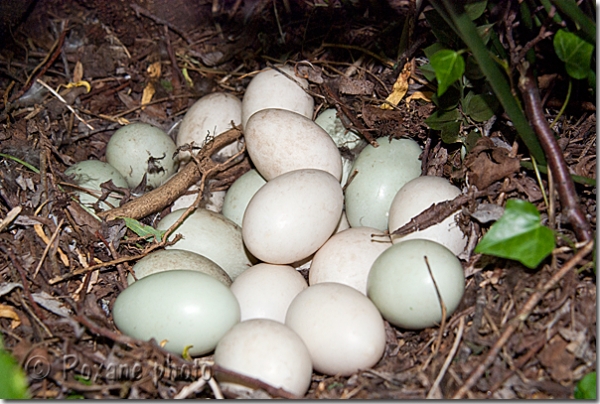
556 160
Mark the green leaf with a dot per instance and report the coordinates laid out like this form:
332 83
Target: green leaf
13 383
143 230
477 106
518 235
428 72
575 52
450 133
484 32
475 9
449 66
440 118
586 388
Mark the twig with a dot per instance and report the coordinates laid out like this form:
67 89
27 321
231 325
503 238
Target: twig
139 10
159 198
523 314
56 51
438 379
50 242
61 99
556 161
273 391
436 348
26 289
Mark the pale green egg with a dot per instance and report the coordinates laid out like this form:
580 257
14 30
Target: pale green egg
90 174
183 308
239 194
403 290
380 173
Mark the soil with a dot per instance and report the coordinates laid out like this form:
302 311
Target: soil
62 332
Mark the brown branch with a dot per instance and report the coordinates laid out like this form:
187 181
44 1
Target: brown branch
523 314
556 161
163 196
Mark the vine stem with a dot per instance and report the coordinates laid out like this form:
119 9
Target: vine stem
556 161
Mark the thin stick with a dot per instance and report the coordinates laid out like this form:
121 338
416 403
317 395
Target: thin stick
438 380
556 160
50 242
444 313
61 99
528 307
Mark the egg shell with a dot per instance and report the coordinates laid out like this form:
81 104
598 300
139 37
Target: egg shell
340 326
239 194
416 196
183 307
173 259
211 115
401 287
280 141
131 147
272 89
266 291
293 215
212 235
91 174
347 257
268 351
332 124
381 172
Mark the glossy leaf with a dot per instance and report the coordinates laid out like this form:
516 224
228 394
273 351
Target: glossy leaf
439 119
575 52
477 106
518 235
475 9
586 388
449 66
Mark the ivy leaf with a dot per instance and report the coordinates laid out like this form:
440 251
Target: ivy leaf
518 235
449 66
586 388
143 230
575 52
475 9
477 106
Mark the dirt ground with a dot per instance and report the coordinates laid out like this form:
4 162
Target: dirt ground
60 328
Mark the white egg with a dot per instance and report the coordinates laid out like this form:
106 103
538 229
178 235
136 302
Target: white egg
266 291
293 215
402 289
347 257
268 351
381 172
169 260
212 235
211 115
279 141
273 89
140 148
343 224
91 174
182 307
341 327
416 196
239 194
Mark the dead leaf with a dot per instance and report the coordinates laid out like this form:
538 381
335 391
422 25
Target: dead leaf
355 87
147 94
400 86
487 164
312 73
78 72
154 70
9 312
557 360
419 95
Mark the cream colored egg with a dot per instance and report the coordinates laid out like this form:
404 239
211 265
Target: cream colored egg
239 194
380 173
340 326
140 148
173 259
293 215
266 291
212 235
281 89
401 285
416 196
279 141
347 257
210 116
265 350
179 308
90 175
